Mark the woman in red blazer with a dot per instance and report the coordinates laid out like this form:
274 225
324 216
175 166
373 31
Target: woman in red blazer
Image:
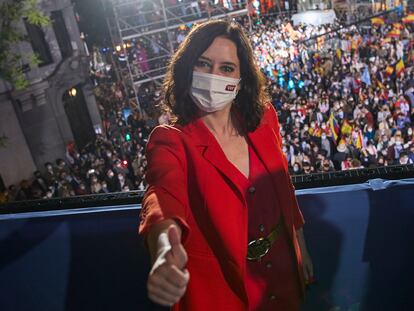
220 215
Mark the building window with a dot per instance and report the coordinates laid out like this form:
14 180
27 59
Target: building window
39 44
61 33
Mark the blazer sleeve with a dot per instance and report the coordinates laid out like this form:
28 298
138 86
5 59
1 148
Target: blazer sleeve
298 220
273 122
166 196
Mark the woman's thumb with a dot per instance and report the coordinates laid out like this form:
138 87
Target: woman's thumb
173 236
178 253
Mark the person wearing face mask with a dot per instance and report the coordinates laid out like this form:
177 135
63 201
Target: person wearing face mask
369 132
124 181
50 174
104 188
112 181
296 170
220 216
326 144
95 185
82 190
404 159
394 150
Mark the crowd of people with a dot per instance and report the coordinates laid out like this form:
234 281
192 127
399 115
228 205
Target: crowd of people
114 162
345 100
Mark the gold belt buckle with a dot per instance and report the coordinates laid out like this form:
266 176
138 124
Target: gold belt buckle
256 249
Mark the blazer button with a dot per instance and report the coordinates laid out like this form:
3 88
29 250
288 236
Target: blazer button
261 228
268 264
272 297
252 190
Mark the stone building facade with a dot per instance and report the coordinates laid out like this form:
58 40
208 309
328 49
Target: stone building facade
42 120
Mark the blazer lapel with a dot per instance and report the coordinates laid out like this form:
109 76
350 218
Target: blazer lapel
267 149
212 152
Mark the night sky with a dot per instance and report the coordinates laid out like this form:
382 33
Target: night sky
92 22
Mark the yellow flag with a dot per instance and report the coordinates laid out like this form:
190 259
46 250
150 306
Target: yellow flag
389 70
338 53
377 21
408 19
394 33
346 128
399 67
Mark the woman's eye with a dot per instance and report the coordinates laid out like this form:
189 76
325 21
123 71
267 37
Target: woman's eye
227 69
201 64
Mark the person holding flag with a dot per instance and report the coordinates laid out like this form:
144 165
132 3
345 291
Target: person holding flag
399 67
346 128
334 127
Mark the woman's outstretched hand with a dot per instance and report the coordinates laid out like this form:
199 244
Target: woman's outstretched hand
168 278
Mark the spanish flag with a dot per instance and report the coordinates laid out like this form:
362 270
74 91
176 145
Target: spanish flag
399 67
389 70
377 21
408 19
395 33
316 132
359 143
398 26
346 128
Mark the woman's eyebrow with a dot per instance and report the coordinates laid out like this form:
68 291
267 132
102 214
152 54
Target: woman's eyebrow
222 63
204 58
229 63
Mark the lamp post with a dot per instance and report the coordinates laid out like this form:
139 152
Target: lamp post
72 92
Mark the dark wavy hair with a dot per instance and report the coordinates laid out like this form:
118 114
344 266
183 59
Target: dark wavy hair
252 97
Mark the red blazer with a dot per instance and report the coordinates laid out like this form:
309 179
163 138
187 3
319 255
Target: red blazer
190 181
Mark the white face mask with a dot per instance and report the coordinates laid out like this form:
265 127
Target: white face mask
212 92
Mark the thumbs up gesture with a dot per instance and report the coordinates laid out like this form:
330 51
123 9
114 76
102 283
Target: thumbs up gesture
168 278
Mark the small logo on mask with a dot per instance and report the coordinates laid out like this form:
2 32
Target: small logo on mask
230 87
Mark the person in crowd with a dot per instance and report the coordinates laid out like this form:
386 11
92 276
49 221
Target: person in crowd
12 193
355 164
404 159
341 155
82 190
112 181
50 173
25 192
40 183
95 185
4 196
221 156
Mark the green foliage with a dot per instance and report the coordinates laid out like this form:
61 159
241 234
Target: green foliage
11 12
34 16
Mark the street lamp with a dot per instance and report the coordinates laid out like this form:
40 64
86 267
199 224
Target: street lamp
73 92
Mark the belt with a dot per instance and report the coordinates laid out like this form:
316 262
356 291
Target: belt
256 249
